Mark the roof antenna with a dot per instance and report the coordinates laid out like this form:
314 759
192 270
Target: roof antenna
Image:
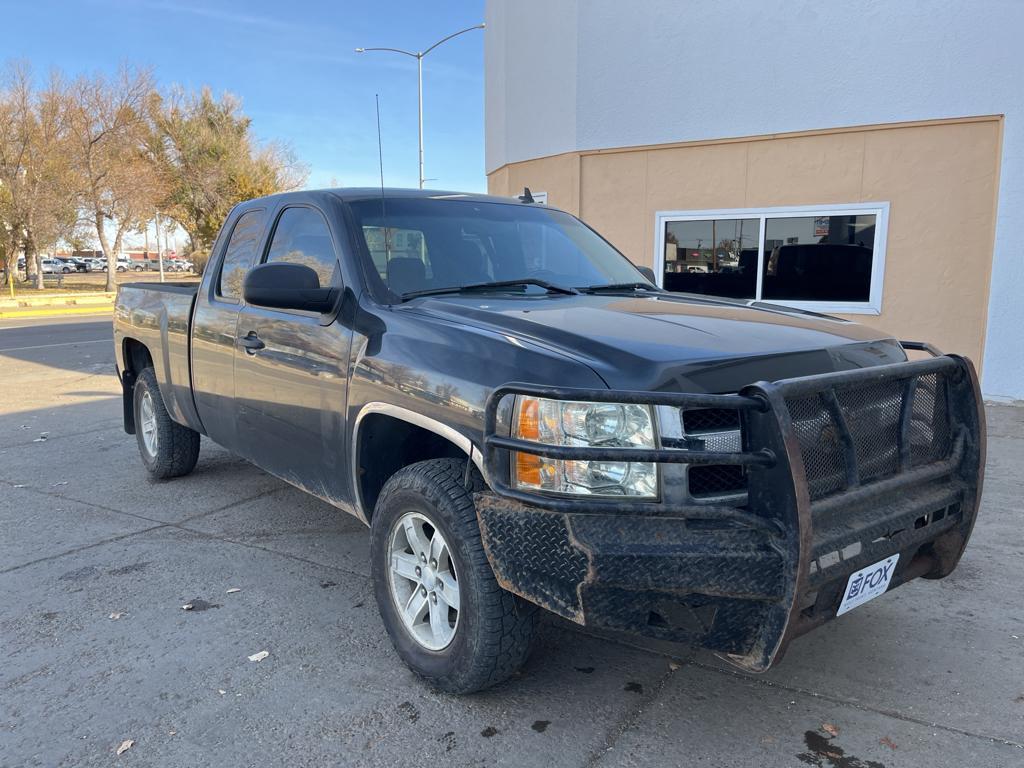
383 204
526 197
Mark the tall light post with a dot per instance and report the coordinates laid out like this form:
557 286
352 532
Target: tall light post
418 55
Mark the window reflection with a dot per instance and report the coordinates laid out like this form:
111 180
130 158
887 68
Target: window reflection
302 237
712 256
818 258
803 258
239 254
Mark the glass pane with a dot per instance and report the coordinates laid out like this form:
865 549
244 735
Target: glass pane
717 257
302 237
450 243
818 258
395 243
239 255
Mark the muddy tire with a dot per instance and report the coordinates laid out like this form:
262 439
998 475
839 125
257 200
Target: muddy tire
426 555
168 449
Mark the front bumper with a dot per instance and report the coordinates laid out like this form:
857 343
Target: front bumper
843 470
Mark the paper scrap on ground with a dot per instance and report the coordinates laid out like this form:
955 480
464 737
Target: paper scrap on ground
125 746
259 656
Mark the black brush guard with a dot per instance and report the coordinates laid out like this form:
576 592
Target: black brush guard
842 469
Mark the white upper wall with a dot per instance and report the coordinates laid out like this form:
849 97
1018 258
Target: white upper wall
564 75
530 70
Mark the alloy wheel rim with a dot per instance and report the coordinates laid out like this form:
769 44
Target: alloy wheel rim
423 580
147 414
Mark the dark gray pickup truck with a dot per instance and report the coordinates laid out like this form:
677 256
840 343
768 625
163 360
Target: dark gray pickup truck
523 418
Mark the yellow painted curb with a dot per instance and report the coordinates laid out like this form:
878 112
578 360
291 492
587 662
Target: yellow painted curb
53 311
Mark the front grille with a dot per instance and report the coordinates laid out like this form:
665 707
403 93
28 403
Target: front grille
871 414
710 419
929 425
716 480
819 445
717 430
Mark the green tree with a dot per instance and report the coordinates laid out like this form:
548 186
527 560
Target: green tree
210 161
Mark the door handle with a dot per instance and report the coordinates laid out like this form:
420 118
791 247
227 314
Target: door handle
251 343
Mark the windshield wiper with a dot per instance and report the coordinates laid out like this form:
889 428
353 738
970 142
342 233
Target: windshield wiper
613 287
549 287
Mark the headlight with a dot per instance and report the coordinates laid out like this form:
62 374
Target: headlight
568 422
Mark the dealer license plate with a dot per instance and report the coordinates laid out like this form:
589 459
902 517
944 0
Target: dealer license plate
867 584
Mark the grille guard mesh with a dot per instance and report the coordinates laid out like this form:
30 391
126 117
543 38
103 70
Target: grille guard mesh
831 460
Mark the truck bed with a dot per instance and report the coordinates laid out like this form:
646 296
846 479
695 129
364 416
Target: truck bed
157 315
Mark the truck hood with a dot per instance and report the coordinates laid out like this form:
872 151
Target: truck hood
669 342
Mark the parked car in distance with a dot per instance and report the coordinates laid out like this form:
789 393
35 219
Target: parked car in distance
96 265
54 266
123 265
149 264
526 421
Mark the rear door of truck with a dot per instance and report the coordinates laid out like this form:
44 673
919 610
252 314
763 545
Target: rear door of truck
214 325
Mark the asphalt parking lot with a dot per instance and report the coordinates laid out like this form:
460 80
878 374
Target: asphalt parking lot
96 563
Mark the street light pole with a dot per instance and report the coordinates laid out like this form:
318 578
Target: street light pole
418 55
419 77
159 253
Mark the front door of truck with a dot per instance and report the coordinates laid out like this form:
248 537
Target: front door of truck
291 369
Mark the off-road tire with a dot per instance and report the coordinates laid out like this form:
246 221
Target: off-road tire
177 446
496 628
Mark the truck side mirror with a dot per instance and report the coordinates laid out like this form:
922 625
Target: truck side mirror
282 285
648 273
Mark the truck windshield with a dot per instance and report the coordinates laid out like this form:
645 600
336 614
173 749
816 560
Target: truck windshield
430 245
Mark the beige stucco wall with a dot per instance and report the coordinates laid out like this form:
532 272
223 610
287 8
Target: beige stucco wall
940 177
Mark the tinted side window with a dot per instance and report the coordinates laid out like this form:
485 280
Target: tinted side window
239 254
302 237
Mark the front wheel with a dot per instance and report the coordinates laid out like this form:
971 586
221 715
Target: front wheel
447 617
168 449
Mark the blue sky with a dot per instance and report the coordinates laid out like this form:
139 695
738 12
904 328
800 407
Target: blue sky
294 67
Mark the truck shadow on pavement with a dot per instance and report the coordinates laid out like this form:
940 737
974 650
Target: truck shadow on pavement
76 347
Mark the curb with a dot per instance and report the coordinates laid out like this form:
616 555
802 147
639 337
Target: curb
79 298
106 309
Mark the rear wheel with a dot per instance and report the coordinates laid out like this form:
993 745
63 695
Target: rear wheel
448 618
168 449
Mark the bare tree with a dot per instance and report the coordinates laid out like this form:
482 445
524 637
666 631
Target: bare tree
109 150
38 200
107 153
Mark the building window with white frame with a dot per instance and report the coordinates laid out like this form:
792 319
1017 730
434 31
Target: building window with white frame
828 258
